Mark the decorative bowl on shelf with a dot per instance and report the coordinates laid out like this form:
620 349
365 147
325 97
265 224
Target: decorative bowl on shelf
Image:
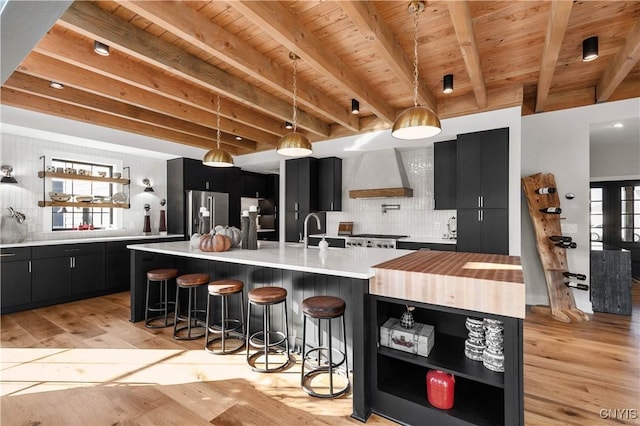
59 196
102 174
84 198
119 198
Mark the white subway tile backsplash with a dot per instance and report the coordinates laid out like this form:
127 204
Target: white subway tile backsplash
23 153
416 216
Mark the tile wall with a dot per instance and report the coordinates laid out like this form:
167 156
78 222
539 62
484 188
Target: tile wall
23 153
416 216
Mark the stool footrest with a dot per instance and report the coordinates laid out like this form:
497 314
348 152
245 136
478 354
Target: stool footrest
309 376
312 362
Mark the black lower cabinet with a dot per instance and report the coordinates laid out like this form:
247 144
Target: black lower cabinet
412 245
16 277
333 242
482 397
51 279
87 275
483 231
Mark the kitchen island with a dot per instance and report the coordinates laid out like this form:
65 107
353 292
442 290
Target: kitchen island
445 289
302 272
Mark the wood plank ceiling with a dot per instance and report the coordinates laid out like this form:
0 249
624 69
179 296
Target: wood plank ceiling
169 61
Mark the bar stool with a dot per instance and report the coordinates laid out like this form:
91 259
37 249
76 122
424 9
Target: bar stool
161 276
191 282
267 297
224 289
323 308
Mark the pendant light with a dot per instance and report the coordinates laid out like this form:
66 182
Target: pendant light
294 144
417 122
217 157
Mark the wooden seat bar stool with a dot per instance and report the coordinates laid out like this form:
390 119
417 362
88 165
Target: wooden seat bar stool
323 360
162 277
222 332
194 317
267 341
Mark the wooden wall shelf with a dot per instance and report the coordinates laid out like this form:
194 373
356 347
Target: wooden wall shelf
82 204
42 174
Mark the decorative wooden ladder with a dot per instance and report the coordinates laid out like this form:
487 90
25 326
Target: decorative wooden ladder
562 305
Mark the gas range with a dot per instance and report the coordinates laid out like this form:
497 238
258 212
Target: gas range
373 240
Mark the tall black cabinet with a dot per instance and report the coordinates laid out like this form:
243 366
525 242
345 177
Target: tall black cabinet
483 191
445 175
301 183
330 184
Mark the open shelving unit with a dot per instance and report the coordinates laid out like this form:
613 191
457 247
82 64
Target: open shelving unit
482 396
49 203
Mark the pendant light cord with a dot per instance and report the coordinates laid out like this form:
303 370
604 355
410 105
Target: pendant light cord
416 11
218 120
295 91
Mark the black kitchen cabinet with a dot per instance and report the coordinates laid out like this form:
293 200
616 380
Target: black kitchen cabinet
482 192
483 169
16 277
412 245
483 231
445 175
302 184
185 174
330 184
482 396
63 271
333 242
254 185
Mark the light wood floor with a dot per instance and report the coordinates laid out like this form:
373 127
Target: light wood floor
84 363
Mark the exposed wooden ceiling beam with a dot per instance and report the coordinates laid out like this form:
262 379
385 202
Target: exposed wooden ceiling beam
497 98
181 20
626 58
69 95
72 48
557 27
366 18
39 65
283 27
463 26
93 22
36 103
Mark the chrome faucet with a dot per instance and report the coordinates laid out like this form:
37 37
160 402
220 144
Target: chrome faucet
306 230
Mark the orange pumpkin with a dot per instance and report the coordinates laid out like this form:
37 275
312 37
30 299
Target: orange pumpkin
217 242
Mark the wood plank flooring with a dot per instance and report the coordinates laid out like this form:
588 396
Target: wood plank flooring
84 363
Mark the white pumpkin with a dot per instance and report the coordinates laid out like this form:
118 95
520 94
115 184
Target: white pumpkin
232 232
194 241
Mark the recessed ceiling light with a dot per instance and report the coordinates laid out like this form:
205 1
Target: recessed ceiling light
100 48
618 125
56 85
238 138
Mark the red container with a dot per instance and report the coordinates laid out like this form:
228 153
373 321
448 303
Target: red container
440 389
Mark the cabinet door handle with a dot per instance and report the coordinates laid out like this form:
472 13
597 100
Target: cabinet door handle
479 201
479 219
29 266
482 201
331 206
71 262
481 215
7 254
295 207
257 194
295 215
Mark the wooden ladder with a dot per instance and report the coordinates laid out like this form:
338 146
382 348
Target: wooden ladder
562 305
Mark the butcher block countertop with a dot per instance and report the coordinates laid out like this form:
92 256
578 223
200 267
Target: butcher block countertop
489 283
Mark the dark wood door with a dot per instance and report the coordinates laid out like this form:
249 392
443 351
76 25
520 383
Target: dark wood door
445 175
330 184
495 231
88 273
469 231
51 278
16 283
293 226
291 185
494 173
468 186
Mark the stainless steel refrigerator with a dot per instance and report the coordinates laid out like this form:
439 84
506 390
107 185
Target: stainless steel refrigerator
216 203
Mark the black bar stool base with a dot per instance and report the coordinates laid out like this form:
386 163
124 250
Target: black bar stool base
308 378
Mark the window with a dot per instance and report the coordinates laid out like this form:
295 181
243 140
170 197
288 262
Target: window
596 214
630 213
68 218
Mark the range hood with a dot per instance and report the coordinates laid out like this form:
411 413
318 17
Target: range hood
380 174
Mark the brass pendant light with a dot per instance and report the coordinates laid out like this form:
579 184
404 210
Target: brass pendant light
417 122
294 144
217 157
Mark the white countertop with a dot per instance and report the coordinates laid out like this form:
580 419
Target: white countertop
412 239
87 240
342 262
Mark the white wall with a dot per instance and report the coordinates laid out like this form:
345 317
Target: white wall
416 216
558 142
23 153
615 151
